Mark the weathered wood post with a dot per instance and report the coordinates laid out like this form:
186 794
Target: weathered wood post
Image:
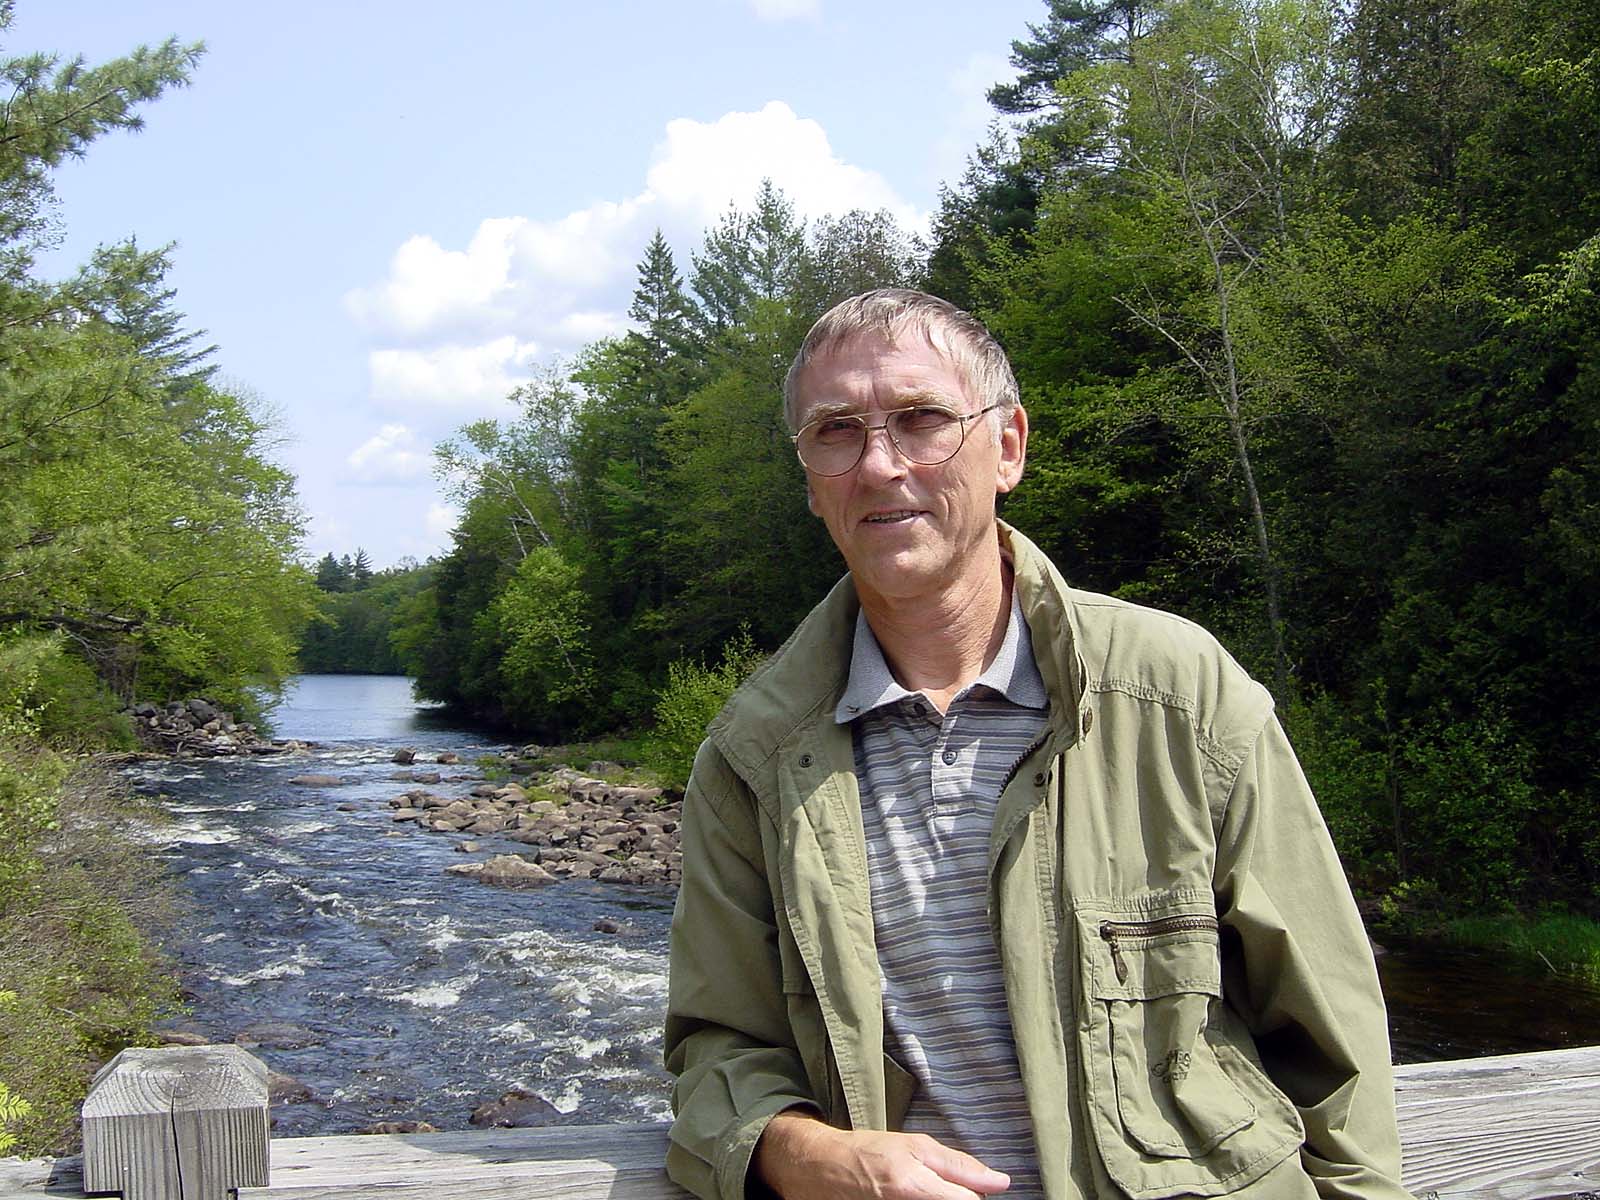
176 1123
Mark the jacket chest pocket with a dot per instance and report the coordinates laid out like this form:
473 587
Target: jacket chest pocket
1175 1107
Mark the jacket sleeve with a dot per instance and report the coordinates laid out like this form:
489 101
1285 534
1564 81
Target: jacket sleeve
728 1041
1300 972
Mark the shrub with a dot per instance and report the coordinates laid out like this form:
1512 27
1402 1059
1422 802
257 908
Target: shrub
695 693
1469 797
1348 779
79 898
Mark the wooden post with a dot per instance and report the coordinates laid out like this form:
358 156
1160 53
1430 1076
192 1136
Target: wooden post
176 1123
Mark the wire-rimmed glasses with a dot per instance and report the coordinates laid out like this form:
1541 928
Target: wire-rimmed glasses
928 434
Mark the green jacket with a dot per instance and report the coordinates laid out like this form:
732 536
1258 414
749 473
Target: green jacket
1193 997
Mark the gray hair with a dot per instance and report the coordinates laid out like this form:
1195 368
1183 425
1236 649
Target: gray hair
893 312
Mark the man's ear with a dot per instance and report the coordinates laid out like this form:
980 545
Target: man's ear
1013 451
811 497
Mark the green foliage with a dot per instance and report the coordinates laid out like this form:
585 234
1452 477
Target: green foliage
1561 942
1468 799
547 662
694 693
1349 778
645 502
354 629
81 979
12 1108
147 547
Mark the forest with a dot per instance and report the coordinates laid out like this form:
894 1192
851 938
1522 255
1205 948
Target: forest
149 547
1302 301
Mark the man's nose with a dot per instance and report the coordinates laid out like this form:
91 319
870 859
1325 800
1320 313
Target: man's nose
880 456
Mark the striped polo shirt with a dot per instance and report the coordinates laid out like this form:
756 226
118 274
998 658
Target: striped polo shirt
929 786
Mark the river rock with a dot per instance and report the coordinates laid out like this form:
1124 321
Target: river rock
277 1035
285 1089
448 758
399 1127
508 870
193 728
516 1109
405 756
318 781
182 1037
202 710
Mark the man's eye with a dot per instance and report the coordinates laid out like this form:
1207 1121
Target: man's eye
924 420
837 430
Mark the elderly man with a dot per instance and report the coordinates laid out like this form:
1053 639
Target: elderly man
990 885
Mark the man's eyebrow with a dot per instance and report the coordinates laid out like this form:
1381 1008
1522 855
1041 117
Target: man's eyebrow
845 408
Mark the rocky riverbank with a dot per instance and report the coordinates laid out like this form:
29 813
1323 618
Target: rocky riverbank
576 824
596 824
197 728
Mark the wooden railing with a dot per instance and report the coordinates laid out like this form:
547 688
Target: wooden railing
191 1124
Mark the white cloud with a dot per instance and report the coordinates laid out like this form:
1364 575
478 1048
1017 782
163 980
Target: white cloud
700 168
451 376
458 328
562 282
786 10
391 455
428 284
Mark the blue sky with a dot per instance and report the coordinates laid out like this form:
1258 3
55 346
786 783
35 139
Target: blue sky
388 214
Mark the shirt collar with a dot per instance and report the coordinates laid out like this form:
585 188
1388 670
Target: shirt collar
1013 673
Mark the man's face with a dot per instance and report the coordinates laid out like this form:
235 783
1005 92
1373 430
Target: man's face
907 530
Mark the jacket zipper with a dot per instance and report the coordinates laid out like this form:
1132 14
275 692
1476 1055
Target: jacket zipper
1111 931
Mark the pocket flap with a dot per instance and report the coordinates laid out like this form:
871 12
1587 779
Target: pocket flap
1142 958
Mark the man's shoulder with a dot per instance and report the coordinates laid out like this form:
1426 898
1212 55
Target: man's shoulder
797 684
1148 653
1157 656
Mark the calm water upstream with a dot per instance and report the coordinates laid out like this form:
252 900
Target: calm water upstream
423 995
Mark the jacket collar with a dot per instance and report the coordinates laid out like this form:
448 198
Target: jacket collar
802 683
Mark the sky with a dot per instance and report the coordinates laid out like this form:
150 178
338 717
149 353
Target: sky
387 215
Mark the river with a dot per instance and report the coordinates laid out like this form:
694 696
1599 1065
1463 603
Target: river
421 995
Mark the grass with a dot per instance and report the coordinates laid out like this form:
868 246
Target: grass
1564 943
81 916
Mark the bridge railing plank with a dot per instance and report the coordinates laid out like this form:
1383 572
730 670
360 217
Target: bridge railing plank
1516 1127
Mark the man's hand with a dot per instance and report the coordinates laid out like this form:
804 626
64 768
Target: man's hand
802 1157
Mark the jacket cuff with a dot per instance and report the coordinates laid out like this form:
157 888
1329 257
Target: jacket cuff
737 1147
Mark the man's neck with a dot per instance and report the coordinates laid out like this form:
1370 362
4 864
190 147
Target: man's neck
939 644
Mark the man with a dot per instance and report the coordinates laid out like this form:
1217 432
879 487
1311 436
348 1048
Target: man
991 885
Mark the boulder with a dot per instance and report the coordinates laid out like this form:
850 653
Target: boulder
277 1035
405 756
182 1037
285 1089
202 710
449 758
317 781
516 1109
399 1127
507 870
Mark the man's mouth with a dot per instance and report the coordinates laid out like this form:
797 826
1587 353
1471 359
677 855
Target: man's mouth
891 518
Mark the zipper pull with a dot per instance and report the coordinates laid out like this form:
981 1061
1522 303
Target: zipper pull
1108 931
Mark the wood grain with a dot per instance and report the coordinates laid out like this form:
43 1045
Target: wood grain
176 1123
